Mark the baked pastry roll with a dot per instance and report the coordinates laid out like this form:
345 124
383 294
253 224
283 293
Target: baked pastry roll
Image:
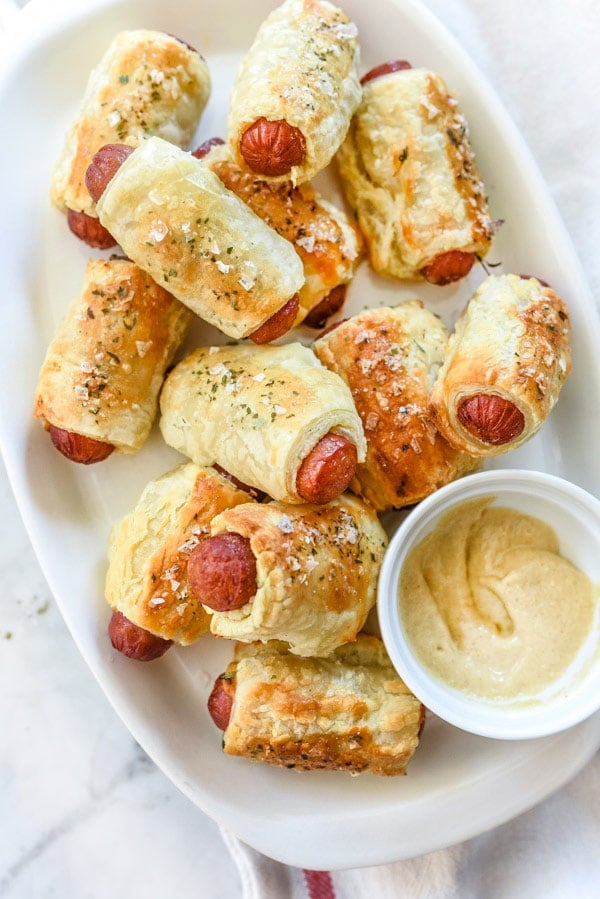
177 221
147 83
295 91
410 175
389 358
506 363
105 365
316 572
262 413
148 551
347 712
328 245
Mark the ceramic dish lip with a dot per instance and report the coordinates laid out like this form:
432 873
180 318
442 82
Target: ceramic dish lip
575 695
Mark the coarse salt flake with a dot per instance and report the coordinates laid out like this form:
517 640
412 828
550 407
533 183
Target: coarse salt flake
189 544
346 31
142 347
307 243
157 601
158 231
285 524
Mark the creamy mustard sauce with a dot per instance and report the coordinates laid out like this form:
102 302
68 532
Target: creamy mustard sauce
490 606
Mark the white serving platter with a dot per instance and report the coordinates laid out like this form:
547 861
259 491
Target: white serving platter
458 784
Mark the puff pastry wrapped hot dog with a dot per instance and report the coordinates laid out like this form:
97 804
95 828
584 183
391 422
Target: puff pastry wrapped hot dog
347 712
295 91
506 363
177 221
148 553
325 240
147 83
272 416
389 358
410 175
98 386
314 572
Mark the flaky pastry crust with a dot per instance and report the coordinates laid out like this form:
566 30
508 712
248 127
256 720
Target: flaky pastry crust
410 174
256 411
147 83
148 551
389 357
512 341
347 712
178 222
317 570
106 362
302 68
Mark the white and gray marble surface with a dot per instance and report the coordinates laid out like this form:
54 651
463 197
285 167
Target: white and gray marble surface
84 813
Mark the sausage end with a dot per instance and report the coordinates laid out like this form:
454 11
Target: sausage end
222 572
133 641
491 418
272 148
327 470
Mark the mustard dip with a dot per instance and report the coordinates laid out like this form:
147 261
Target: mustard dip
490 606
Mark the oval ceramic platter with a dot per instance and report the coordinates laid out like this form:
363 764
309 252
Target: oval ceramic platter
463 783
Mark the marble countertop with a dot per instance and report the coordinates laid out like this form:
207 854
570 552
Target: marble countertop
82 809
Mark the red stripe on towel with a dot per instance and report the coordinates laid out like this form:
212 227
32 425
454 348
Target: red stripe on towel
319 884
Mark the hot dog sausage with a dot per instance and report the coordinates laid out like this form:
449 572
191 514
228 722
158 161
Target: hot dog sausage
89 230
104 165
384 69
204 149
333 302
222 572
491 418
528 278
101 170
327 470
133 641
448 267
220 701
252 491
185 44
278 324
79 448
272 148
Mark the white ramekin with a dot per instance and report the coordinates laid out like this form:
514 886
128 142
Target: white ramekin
574 515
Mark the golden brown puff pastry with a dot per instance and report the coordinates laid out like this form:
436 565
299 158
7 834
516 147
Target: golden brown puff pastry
174 217
303 69
347 712
505 365
410 174
257 411
106 362
317 570
325 240
389 358
148 551
147 83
